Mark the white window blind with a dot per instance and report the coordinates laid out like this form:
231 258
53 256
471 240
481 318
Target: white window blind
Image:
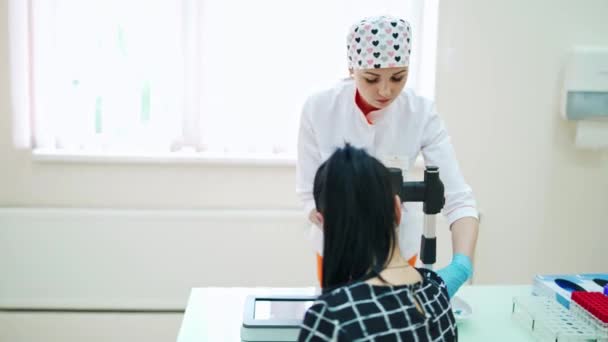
218 77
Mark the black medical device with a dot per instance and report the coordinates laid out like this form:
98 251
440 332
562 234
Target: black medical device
431 193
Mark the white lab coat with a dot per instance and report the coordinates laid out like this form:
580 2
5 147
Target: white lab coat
399 132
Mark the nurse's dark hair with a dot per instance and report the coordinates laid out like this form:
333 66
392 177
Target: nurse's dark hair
352 191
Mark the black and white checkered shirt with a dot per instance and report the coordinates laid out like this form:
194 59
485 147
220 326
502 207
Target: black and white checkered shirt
365 312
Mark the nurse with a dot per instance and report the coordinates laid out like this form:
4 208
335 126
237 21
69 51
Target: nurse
372 110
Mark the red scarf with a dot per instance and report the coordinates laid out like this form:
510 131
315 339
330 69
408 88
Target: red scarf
365 107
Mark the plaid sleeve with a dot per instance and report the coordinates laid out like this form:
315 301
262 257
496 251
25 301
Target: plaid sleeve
318 325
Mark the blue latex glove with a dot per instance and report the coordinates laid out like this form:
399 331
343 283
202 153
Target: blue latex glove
456 273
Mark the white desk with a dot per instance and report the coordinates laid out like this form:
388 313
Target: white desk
216 314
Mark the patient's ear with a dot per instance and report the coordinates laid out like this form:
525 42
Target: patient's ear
397 210
318 220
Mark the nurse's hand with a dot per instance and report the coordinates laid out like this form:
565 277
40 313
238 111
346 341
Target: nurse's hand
456 273
316 218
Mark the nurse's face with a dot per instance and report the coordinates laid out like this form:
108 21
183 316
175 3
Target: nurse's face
379 87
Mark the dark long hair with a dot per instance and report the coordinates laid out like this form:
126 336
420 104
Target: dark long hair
353 192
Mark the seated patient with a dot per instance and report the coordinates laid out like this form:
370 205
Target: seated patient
370 292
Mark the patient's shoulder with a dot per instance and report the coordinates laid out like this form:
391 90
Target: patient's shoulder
431 277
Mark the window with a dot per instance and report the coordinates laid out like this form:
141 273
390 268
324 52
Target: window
217 77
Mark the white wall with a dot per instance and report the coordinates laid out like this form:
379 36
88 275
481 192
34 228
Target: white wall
498 87
145 259
545 203
93 327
